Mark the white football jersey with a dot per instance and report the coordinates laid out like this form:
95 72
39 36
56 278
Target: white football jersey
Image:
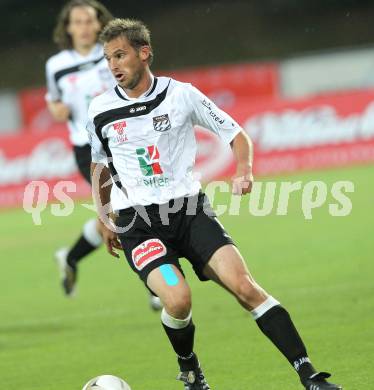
149 142
75 80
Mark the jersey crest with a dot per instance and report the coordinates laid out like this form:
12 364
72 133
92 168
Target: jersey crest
161 123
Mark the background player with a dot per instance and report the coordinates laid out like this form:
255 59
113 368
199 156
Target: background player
161 210
75 75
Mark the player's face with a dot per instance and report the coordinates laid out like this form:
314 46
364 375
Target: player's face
83 26
126 63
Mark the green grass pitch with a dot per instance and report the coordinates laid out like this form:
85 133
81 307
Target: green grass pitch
322 270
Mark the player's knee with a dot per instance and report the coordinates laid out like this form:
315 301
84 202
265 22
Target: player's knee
249 293
178 304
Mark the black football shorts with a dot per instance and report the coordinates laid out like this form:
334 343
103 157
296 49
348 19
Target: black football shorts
82 156
192 232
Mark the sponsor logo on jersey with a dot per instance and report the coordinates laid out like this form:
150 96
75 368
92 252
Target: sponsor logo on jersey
137 109
161 123
206 104
155 181
147 252
149 160
119 127
213 114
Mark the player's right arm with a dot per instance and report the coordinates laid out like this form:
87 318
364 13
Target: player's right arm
59 111
101 188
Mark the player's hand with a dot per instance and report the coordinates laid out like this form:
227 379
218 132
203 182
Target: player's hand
242 182
111 240
59 111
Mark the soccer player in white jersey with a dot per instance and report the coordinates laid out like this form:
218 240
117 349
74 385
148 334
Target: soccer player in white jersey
75 75
141 135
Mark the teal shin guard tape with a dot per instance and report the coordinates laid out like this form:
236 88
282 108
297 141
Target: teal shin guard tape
169 275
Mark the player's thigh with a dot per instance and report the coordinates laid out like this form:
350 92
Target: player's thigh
228 268
202 236
169 284
226 265
146 251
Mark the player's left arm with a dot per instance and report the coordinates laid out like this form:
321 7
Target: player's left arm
59 110
206 113
242 148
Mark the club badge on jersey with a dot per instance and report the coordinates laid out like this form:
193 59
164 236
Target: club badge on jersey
161 123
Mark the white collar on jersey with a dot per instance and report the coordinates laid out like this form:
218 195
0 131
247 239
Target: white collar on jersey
145 94
94 52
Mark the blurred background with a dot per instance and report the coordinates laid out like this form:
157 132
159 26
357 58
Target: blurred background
196 32
298 75
253 58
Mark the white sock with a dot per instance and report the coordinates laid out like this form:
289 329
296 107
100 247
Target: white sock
175 323
264 307
91 234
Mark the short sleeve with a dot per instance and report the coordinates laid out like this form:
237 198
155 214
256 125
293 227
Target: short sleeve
205 113
53 94
97 151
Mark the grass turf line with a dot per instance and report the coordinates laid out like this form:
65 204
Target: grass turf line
321 270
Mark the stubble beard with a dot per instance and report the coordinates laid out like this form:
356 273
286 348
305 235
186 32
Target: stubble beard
134 81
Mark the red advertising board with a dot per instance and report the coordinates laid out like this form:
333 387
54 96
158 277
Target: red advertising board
289 136
36 156
226 84
35 115
48 157
320 132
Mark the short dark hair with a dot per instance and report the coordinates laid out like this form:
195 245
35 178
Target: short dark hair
135 31
60 34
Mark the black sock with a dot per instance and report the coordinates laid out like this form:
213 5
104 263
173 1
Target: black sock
182 341
277 325
80 249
